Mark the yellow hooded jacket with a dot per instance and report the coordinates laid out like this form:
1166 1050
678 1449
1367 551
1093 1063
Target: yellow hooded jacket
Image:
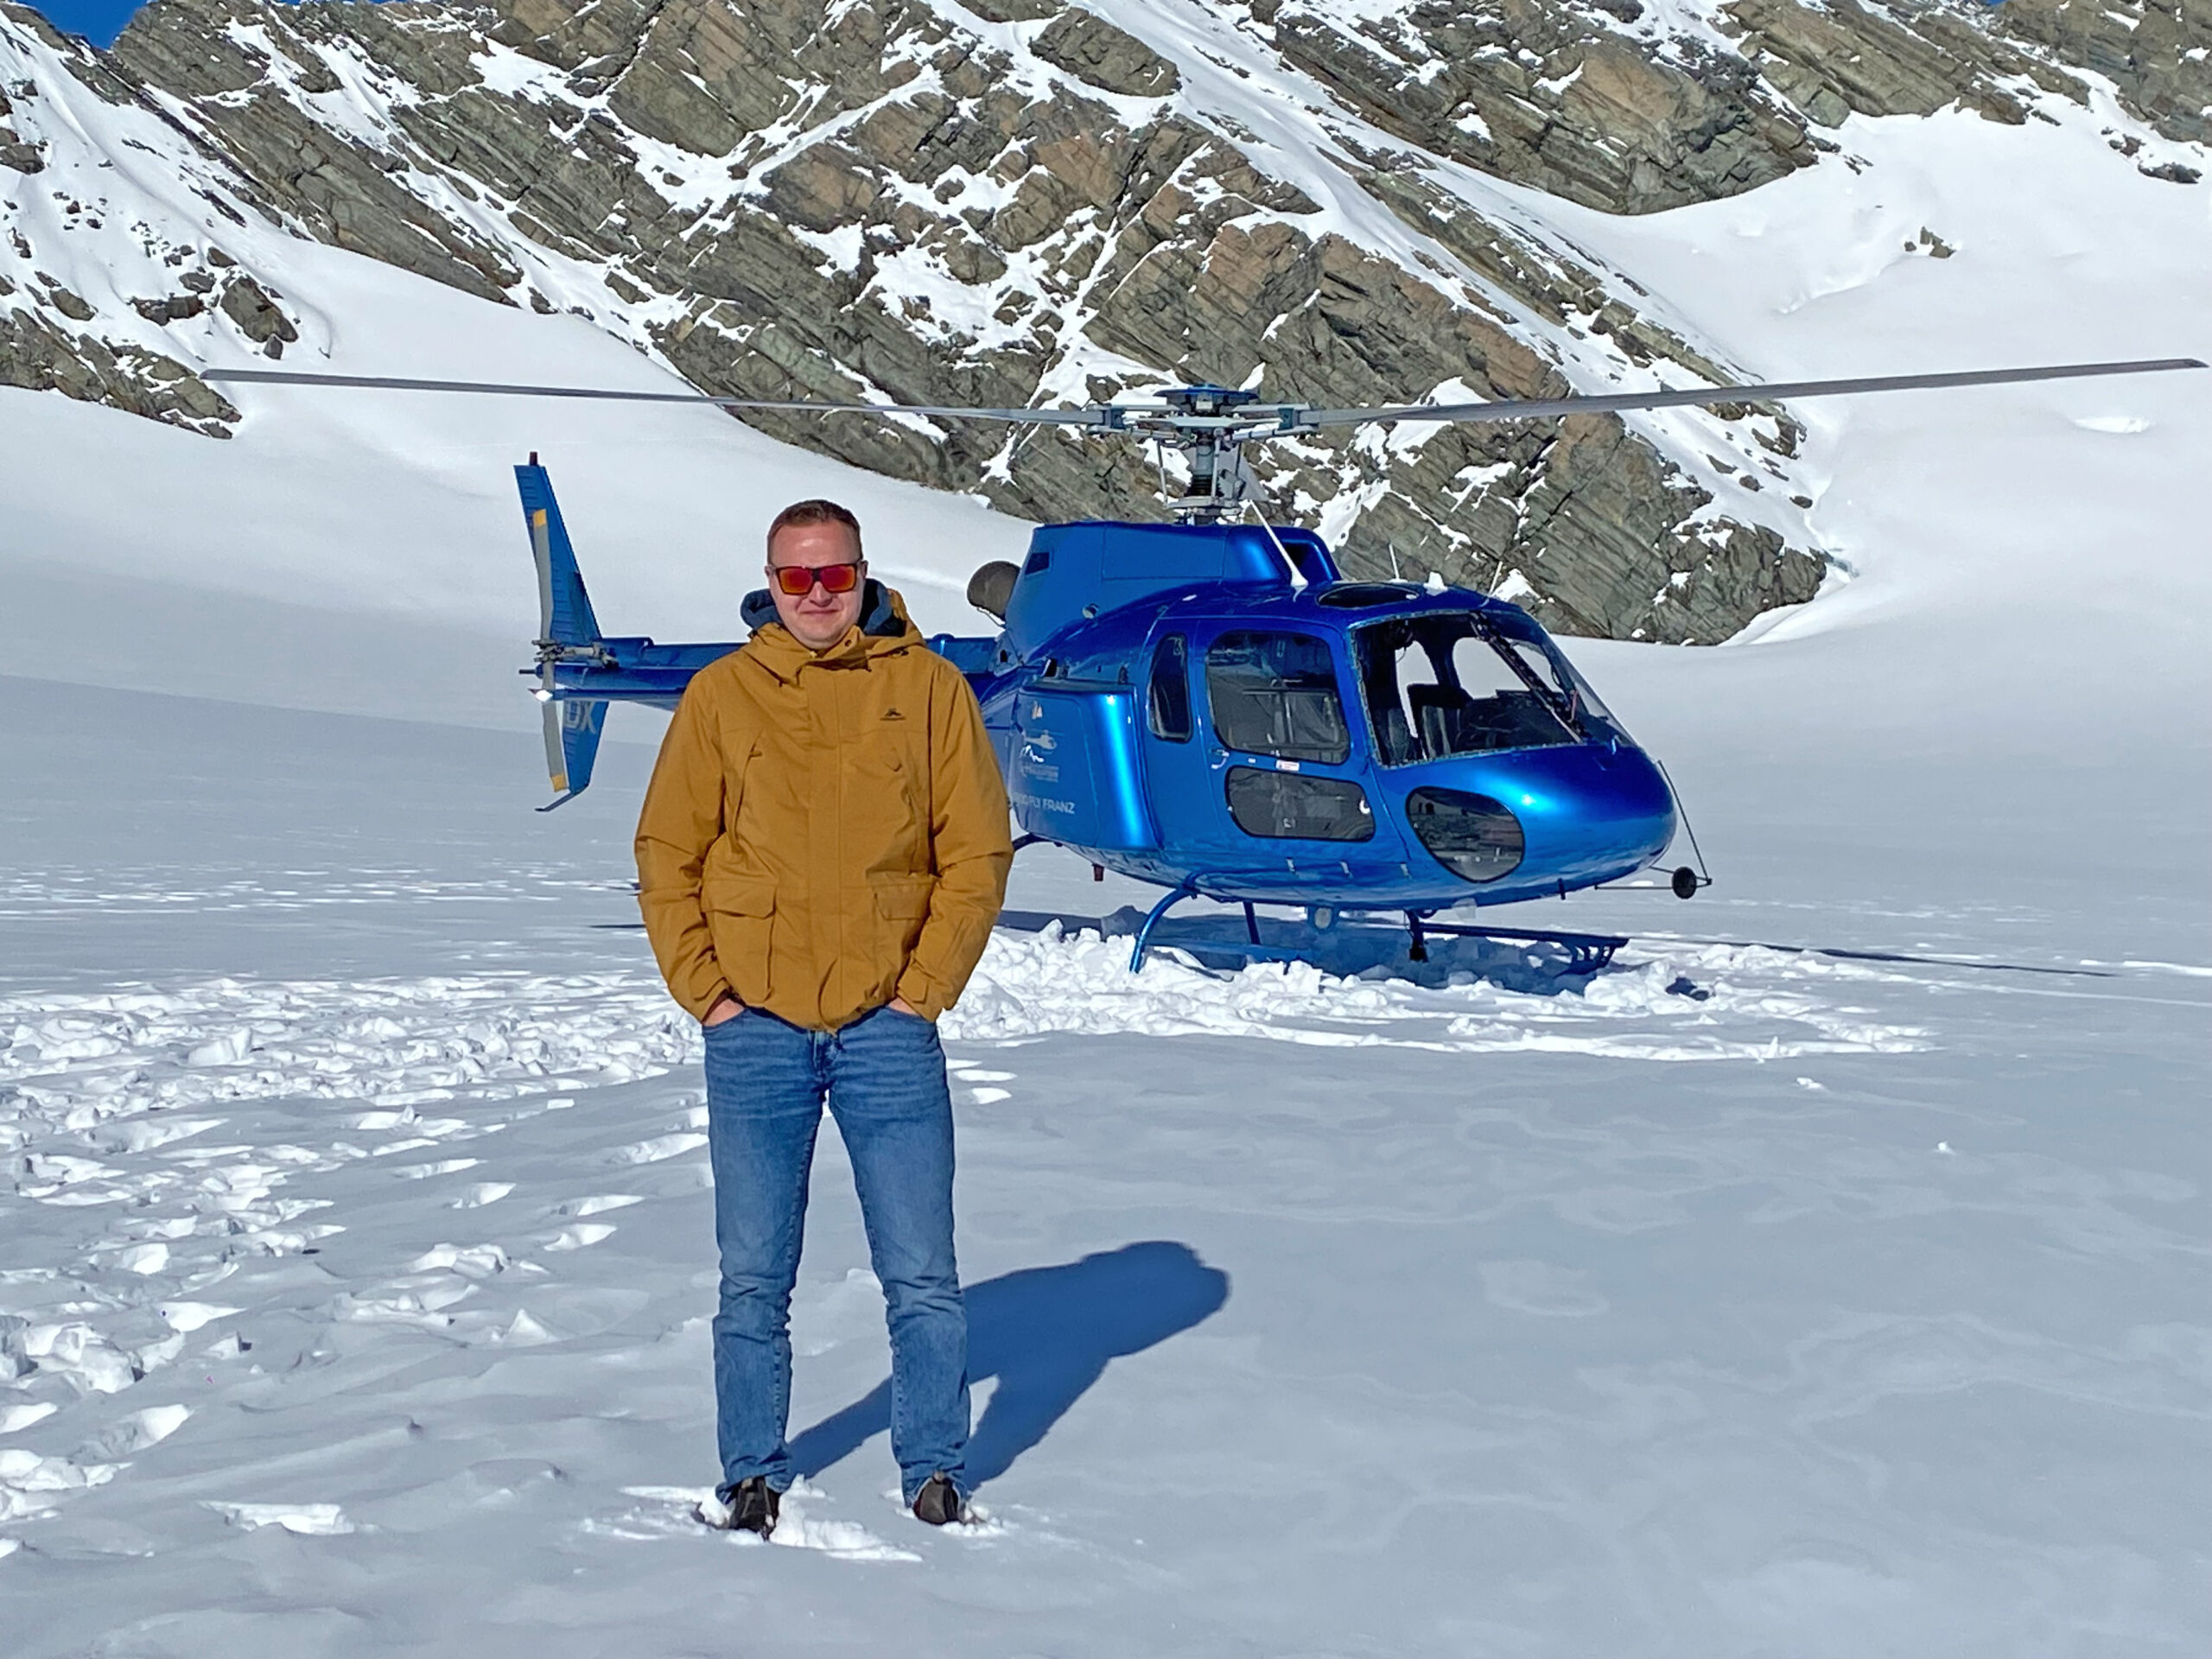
824 831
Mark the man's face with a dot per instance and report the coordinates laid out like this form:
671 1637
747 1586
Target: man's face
818 619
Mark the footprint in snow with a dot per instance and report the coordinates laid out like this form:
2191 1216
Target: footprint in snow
659 1148
599 1203
580 1237
681 1510
308 1520
444 1166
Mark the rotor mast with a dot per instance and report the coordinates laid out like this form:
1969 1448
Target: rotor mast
1204 423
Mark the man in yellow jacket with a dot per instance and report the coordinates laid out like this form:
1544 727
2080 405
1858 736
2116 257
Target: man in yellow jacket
823 852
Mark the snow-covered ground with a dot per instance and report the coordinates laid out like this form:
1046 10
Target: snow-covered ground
1745 1301
1828 1276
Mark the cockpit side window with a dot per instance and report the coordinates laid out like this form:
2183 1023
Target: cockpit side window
1276 694
1167 698
1441 684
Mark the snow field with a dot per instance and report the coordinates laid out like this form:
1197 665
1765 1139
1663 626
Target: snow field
177 1213
344 1162
98 1093
1708 1002
1738 1298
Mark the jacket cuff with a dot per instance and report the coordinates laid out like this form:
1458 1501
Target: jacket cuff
699 1008
921 993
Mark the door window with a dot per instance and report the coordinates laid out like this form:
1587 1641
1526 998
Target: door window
1168 700
1276 694
1298 806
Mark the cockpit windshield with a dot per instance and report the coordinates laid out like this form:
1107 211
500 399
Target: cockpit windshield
1448 682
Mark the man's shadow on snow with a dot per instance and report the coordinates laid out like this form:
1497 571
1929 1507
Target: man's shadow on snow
1046 1333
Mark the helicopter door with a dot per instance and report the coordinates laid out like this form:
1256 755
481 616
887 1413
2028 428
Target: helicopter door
1178 763
1293 796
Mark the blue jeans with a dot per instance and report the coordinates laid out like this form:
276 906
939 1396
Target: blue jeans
884 1078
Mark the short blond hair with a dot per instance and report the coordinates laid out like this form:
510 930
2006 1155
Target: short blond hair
815 511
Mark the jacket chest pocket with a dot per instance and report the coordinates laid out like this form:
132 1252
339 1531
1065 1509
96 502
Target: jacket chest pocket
891 766
742 919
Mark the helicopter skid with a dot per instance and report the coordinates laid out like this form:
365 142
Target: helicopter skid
1586 953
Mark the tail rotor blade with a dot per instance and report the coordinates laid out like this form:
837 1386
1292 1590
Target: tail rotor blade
572 730
556 761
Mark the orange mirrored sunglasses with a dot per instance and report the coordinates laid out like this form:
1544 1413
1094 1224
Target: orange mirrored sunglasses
798 580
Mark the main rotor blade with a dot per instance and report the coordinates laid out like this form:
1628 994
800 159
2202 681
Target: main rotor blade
1616 403
388 382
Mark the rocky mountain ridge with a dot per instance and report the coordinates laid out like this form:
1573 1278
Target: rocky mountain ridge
1022 201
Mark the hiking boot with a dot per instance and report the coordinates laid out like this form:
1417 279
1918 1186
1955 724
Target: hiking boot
752 1506
939 1501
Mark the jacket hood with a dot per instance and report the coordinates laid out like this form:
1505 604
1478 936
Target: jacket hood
884 627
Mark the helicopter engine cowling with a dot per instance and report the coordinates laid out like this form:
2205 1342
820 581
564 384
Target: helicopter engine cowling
1087 570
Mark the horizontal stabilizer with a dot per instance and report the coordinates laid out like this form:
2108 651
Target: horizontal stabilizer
573 726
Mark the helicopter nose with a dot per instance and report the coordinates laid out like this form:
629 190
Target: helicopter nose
1576 814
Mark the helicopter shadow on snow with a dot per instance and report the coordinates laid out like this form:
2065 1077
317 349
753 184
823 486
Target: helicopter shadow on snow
1218 943
1047 1334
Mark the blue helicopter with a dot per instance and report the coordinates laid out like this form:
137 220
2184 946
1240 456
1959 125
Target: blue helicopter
1209 706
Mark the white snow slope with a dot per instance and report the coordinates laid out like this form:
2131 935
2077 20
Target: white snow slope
1748 1299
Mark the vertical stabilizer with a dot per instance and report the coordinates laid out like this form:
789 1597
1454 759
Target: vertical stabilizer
567 631
564 612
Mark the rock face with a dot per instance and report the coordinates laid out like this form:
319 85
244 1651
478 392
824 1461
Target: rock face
1609 106
36 355
2157 52
59 233
1023 201
1568 100
1093 50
